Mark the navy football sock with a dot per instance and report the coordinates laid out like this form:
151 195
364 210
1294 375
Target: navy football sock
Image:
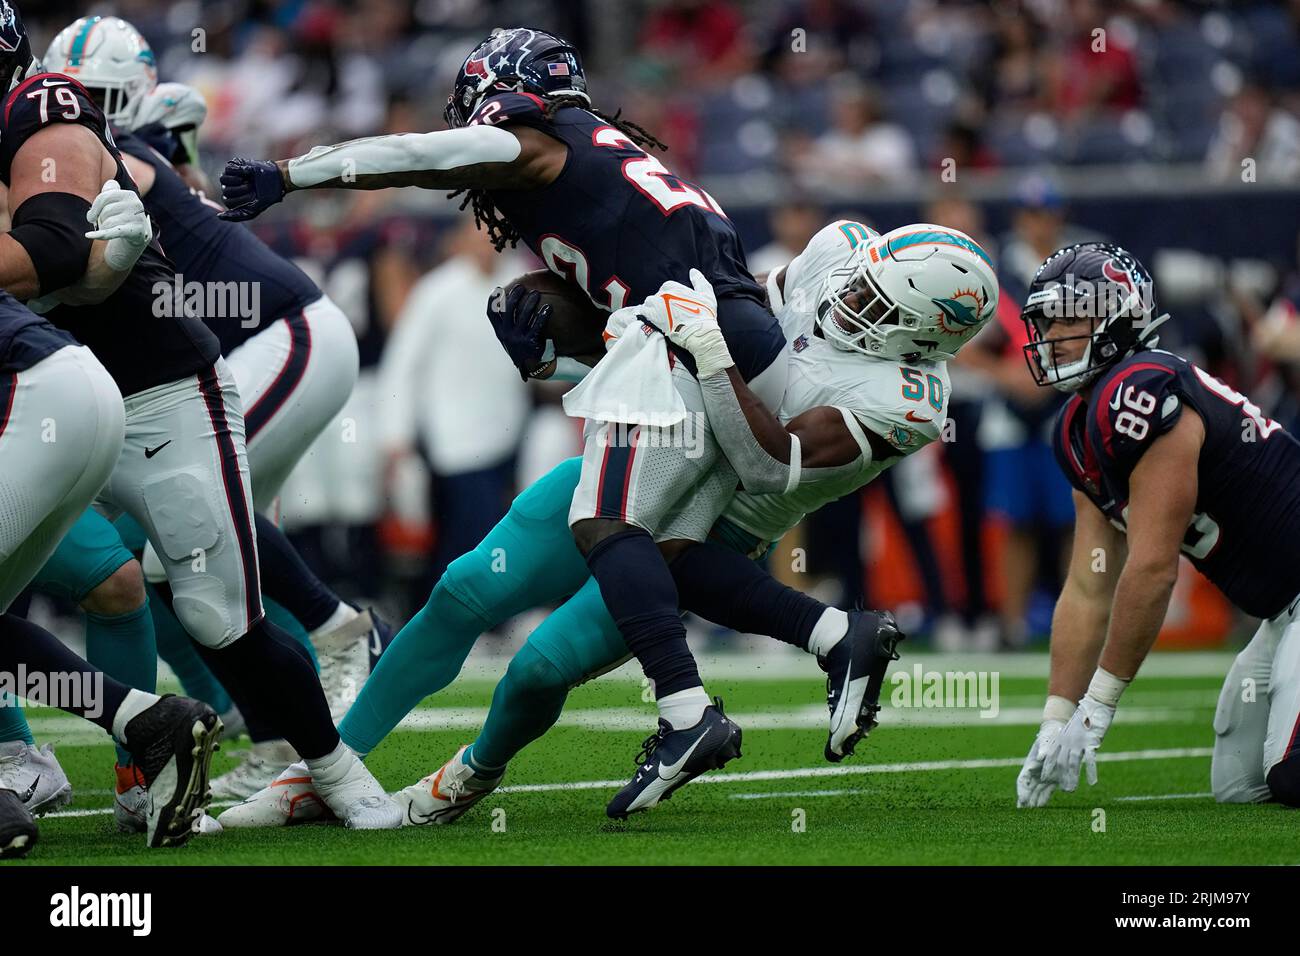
287 579
42 655
268 672
723 586
639 592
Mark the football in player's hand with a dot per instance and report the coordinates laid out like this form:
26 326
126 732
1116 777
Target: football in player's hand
575 325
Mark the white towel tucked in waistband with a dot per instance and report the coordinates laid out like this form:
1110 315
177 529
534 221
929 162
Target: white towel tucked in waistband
632 384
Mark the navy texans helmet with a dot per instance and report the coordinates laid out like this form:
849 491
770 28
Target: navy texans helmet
518 60
16 60
1097 283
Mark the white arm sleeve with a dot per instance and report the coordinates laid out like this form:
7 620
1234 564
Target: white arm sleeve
774 297
405 153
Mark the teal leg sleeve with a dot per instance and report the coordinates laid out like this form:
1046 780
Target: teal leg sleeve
281 618
88 554
13 725
528 559
175 648
123 647
577 642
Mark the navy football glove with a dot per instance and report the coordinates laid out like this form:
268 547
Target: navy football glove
249 187
519 320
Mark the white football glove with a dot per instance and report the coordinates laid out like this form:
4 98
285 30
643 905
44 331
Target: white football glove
172 104
688 317
1076 745
118 216
1031 789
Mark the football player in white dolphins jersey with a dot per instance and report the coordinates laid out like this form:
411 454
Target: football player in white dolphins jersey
886 405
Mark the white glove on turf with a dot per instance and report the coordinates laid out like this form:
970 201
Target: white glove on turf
1031 789
1076 745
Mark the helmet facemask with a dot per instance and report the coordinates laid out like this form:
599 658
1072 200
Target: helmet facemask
1112 332
855 313
119 101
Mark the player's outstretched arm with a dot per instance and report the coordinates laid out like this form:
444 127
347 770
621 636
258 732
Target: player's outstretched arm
1078 632
1162 504
476 157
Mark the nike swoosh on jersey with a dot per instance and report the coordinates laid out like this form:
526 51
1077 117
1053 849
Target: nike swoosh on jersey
913 417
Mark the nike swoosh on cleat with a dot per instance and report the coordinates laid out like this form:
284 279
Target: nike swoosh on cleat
674 769
31 791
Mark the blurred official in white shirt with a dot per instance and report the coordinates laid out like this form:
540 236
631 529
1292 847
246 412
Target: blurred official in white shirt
446 388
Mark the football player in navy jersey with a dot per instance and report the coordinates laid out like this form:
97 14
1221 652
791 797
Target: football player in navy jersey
294 362
61 431
539 163
183 472
1166 461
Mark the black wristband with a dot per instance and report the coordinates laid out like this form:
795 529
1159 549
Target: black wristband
52 228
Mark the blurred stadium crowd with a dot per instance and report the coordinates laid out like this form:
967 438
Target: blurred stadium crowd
1171 127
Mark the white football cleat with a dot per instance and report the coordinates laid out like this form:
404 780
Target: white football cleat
291 798
356 797
258 771
443 796
344 658
130 800
34 776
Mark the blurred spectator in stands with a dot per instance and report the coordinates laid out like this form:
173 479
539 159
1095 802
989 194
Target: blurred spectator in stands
1090 71
1015 83
1023 485
704 42
839 32
962 142
1255 127
1276 40
861 147
793 222
1039 229
1274 334
974 628
447 389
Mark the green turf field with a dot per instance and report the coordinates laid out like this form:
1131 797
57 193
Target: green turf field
931 786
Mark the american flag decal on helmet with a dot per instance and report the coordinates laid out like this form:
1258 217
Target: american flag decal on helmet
558 69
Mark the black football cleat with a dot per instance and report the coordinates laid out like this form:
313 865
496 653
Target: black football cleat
673 758
17 827
381 635
855 673
171 745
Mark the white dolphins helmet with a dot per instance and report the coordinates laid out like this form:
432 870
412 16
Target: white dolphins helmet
110 59
918 292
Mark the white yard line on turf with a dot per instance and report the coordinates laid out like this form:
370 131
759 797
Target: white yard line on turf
783 663
921 766
1168 796
73 731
